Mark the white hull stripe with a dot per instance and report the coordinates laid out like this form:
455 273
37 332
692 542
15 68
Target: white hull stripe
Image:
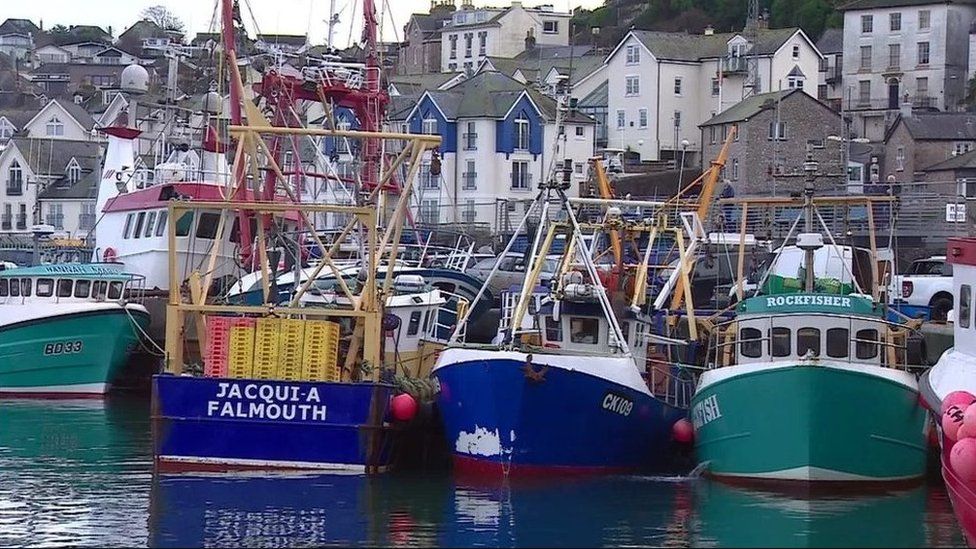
710 377
816 474
348 468
80 388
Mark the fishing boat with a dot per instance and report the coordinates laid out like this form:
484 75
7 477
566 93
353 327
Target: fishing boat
809 381
956 371
67 330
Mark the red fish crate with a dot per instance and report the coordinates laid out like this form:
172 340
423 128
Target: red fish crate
218 344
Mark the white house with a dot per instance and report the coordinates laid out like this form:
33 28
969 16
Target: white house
51 54
897 51
476 33
60 119
662 85
499 142
17 38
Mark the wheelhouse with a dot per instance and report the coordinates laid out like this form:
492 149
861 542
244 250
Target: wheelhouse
67 283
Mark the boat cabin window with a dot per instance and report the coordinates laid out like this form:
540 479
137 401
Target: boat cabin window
15 287
838 342
414 326
150 224
115 290
184 223
99 289
867 346
25 286
4 287
161 225
128 226
82 288
64 287
445 287
554 329
45 287
965 297
139 223
207 226
750 342
584 330
779 341
427 318
808 339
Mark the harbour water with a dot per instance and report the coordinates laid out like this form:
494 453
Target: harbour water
76 472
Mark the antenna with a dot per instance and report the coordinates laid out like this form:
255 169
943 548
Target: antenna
751 34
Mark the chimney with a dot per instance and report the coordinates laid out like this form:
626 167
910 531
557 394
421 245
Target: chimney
529 39
906 106
709 30
42 24
110 30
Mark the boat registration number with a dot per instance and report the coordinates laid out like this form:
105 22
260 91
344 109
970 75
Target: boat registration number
62 348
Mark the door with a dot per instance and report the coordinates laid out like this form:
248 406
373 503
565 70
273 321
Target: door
893 94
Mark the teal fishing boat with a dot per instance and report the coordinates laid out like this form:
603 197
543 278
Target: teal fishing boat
66 330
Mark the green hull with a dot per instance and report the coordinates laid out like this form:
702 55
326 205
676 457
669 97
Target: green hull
810 423
71 354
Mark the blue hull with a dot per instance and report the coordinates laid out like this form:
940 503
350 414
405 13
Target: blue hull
498 421
221 424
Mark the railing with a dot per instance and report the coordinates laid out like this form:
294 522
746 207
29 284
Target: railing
469 180
21 222
923 102
669 382
735 63
470 141
871 103
56 220
834 74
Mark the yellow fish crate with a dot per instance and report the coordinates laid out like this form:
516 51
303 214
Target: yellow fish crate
291 337
321 349
240 355
267 348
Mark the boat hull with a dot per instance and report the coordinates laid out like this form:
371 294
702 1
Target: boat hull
72 354
812 423
233 424
499 420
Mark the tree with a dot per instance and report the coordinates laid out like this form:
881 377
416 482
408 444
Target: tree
58 30
163 18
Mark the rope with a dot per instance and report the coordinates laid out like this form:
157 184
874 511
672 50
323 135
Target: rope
161 352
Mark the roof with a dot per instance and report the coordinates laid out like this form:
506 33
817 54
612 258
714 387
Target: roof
430 22
78 113
832 41
750 106
693 47
599 97
18 26
543 51
415 83
490 22
19 117
290 39
938 126
51 156
872 4
958 162
86 187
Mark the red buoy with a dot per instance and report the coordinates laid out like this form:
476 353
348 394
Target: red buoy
404 407
682 431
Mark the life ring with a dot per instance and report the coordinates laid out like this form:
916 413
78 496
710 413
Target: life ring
109 255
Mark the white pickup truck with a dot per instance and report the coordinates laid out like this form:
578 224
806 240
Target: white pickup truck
926 285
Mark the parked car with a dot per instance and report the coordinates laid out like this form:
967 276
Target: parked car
926 287
511 271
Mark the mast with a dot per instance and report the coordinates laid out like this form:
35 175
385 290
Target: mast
228 10
810 168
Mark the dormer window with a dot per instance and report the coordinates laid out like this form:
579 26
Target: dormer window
6 129
430 126
522 133
55 128
73 171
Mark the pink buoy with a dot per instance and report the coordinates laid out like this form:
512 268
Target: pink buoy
952 421
958 398
404 407
683 431
962 458
967 430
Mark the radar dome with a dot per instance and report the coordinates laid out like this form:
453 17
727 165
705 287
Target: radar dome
212 102
135 79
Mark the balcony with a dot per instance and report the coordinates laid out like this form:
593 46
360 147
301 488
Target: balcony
15 188
835 74
21 222
735 64
56 221
924 102
470 141
469 181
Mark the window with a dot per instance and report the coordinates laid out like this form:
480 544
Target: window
578 168
922 87
82 288
140 219
430 212
15 287
470 213
923 53
642 118
621 119
554 329
838 342
808 340
961 147
470 177
521 178
453 41
965 305
584 330
777 131
677 119
894 56
6 129
900 159
735 169
865 58
521 133
73 171
894 21
429 126
482 42
795 82
25 286
15 179
711 135
632 86
966 187
867 344
796 52
550 27
470 137
161 226
127 232
779 342
414 325
207 226
716 87
864 92
867 24
677 86
633 54
468 39
580 132
4 287
64 287
55 128
184 223
115 290
45 287
750 342
924 18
